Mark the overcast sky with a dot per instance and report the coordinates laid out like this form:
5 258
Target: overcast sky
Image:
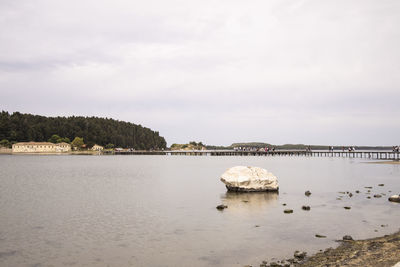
216 71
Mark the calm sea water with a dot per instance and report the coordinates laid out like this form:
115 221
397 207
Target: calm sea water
160 210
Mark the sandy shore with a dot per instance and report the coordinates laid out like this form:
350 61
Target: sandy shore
5 150
385 162
381 251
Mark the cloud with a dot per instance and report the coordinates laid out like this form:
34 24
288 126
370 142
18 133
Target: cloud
216 71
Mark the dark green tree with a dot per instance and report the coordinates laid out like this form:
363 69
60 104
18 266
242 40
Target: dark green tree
18 127
77 143
54 138
5 143
110 146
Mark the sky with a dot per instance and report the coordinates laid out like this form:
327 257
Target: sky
216 71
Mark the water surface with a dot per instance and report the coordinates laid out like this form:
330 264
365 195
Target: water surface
70 210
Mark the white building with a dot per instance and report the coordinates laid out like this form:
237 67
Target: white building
40 147
97 148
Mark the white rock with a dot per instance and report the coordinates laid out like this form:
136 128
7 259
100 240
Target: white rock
395 198
249 179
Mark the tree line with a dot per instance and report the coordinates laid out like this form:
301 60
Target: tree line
18 127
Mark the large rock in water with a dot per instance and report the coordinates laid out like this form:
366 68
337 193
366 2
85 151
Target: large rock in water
249 179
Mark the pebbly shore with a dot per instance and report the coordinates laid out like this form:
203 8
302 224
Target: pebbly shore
381 251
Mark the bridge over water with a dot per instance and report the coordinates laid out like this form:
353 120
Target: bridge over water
370 154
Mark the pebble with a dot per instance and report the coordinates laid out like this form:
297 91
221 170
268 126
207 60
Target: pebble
357 191
307 193
306 207
381 184
347 208
320 236
221 207
300 255
288 211
347 238
377 196
395 198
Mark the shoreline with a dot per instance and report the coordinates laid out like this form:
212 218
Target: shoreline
381 251
84 152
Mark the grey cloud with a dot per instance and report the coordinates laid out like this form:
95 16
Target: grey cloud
217 71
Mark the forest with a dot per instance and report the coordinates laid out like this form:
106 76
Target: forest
18 127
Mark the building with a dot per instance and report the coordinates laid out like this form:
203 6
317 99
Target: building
97 148
40 147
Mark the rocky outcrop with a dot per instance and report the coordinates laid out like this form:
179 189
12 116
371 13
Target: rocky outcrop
249 179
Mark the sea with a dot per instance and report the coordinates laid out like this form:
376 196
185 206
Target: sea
127 210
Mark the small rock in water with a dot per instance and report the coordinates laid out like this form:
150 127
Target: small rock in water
395 198
222 207
306 207
369 191
307 193
347 238
347 208
338 198
300 255
384 225
368 197
284 204
381 184
357 191
342 193
377 196
320 236
350 194
370 187
288 211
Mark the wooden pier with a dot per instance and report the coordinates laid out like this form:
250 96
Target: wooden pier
368 154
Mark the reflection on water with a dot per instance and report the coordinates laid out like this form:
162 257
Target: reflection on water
250 200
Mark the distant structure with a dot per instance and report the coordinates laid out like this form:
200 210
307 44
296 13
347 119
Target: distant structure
40 147
97 148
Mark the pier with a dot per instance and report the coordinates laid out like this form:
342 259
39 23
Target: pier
368 154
